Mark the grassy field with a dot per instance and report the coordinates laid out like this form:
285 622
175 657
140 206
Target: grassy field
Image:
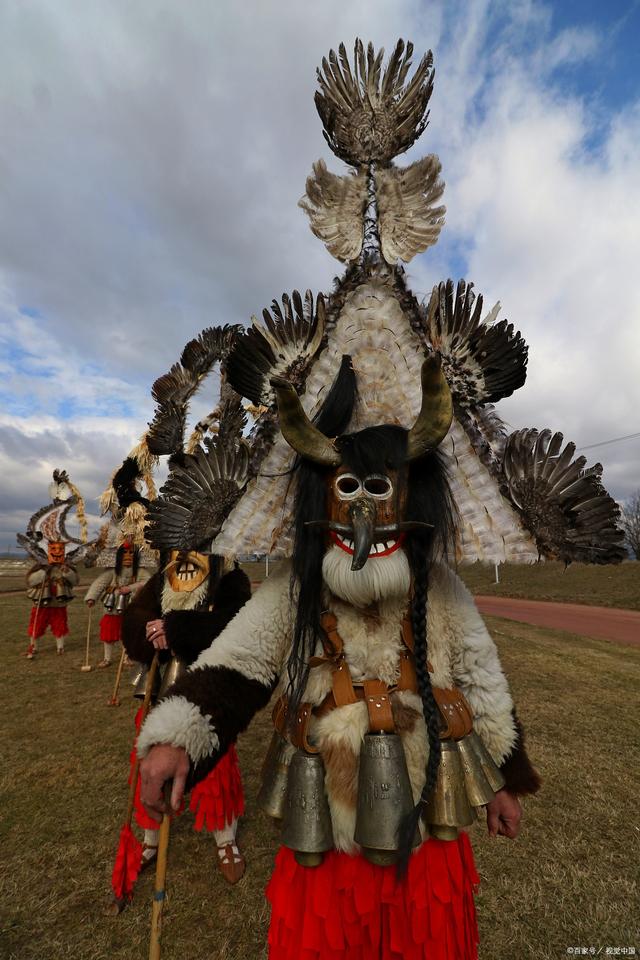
615 585
568 881
606 586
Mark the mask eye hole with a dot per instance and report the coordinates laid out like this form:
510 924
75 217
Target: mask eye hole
347 486
378 486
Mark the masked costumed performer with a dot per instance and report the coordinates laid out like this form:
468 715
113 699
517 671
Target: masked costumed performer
125 552
367 628
394 708
115 588
51 580
192 598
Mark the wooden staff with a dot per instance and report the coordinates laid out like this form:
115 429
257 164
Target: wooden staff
118 903
161 877
86 666
114 702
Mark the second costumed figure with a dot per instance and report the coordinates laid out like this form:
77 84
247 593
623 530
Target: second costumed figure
183 607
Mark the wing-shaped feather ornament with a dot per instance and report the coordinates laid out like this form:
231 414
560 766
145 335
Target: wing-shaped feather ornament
483 361
284 346
196 499
563 504
335 207
173 391
408 219
370 116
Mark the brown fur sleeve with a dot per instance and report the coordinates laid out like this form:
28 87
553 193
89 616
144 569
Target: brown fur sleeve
520 775
144 607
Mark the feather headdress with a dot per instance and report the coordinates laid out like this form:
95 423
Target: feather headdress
370 219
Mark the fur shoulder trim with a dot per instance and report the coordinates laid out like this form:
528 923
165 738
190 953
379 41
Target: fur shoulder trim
256 642
179 723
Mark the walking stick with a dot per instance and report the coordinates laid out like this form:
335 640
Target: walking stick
114 702
86 666
161 876
129 856
31 649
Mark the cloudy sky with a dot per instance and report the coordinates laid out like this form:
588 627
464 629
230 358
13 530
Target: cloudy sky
151 159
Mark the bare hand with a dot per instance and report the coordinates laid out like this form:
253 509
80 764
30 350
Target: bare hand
156 635
91 603
503 815
162 763
124 590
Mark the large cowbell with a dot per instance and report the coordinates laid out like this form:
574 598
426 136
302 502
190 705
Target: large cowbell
307 822
275 776
384 797
174 670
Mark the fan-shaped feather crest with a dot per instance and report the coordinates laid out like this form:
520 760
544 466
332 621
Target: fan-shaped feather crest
370 115
200 492
283 346
482 360
173 391
565 507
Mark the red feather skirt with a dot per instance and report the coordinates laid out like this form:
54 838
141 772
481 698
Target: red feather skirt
54 617
110 627
349 908
216 801
219 799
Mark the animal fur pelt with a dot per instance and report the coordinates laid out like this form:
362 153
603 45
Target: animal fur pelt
250 657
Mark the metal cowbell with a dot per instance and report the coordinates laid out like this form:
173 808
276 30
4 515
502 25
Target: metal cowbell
306 825
275 776
384 797
109 601
139 682
478 788
175 669
488 764
448 808
121 602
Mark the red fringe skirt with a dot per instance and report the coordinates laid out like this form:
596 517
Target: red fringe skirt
54 617
110 627
349 908
219 799
216 801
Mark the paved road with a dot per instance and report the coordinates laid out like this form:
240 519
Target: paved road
607 623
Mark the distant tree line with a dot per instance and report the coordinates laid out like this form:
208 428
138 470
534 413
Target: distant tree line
630 523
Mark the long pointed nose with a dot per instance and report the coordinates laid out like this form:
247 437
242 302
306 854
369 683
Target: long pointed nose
362 513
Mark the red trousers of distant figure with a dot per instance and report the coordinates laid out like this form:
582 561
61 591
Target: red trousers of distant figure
43 617
110 628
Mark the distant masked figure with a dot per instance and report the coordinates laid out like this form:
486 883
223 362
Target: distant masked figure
51 580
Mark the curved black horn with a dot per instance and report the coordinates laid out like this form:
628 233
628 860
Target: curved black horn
436 412
298 430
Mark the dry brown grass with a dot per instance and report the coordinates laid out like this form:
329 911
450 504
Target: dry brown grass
568 881
612 585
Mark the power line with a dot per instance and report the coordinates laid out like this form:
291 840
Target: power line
604 443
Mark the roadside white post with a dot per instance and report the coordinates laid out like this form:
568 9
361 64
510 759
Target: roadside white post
497 566
266 565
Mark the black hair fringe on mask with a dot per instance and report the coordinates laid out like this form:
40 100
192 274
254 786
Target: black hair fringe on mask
309 542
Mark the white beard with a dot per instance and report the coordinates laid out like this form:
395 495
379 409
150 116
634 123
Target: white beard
379 579
182 599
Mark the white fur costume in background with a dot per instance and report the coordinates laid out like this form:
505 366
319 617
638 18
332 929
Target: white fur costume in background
256 643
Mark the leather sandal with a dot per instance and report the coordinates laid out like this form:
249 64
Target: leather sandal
103 663
231 863
150 859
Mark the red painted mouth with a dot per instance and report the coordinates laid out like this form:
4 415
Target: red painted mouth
382 549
